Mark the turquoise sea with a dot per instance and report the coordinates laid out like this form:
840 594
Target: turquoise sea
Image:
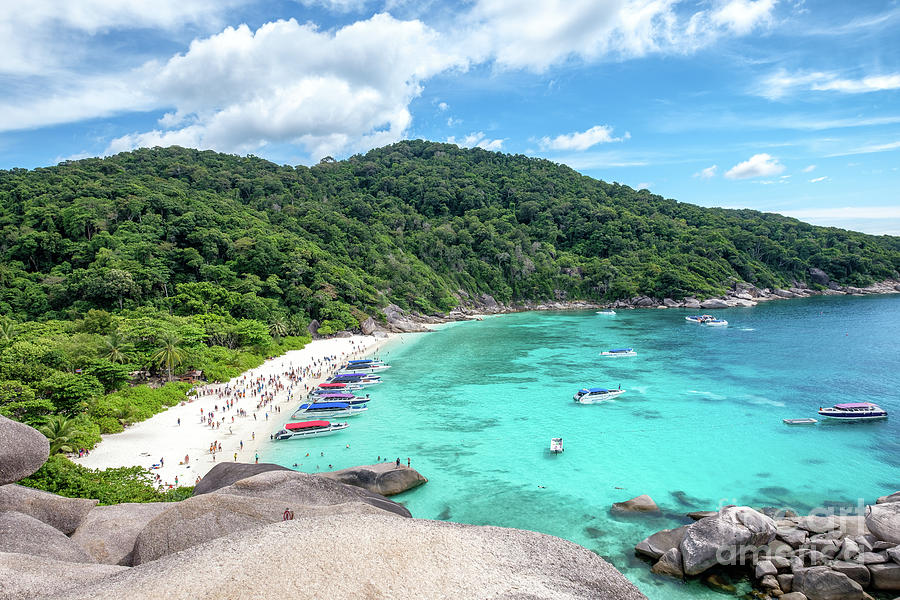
474 406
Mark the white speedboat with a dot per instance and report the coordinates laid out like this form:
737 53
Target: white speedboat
609 312
619 352
596 394
317 410
715 323
556 445
854 411
699 318
305 429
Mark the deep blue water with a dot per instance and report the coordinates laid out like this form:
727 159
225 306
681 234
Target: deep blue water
474 406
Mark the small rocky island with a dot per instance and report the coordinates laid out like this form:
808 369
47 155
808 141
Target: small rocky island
263 531
816 557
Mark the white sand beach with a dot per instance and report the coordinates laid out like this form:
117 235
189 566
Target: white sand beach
184 432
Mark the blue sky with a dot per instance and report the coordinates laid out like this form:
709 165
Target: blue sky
787 106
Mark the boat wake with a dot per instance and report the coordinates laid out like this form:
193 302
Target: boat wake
711 395
762 401
747 329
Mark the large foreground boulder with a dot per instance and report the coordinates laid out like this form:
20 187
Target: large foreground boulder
210 516
723 539
386 479
883 520
360 557
715 303
226 473
638 504
885 576
22 534
109 532
24 576
295 488
66 514
23 450
895 497
822 583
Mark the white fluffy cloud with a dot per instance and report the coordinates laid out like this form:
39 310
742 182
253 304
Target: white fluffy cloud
782 83
477 139
818 179
535 35
758 165
809 168
291 83
707 173
598 134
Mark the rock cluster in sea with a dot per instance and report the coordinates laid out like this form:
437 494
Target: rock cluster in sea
793 557
232 540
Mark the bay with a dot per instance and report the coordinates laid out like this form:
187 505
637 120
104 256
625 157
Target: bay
474 405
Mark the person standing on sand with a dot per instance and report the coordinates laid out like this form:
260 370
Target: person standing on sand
398 461
235 457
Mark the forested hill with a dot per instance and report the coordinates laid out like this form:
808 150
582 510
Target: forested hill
413 223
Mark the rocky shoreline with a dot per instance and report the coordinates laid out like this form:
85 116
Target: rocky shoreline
263 531
742 295
823 556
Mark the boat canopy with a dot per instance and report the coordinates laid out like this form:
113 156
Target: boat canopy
361 360
348 375
596 390
306 425
855 405
338 395
323 405
622 350
329 386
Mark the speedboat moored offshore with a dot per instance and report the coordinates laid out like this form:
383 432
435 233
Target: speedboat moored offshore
715 323
854 411
304 429
699 318
596 394
328 409
619 352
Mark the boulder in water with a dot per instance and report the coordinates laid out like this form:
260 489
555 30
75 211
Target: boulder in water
661 542
725 538
669 564
638 504
883 520
386 479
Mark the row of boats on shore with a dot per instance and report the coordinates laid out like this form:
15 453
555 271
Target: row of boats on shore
337 397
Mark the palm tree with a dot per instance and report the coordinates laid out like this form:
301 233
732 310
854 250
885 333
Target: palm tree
169 354
61 431
297 324
126 414
277 328
7 329
115 348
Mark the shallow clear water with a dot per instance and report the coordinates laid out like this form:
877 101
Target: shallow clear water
475 404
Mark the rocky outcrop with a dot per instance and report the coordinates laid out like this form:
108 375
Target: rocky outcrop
22 534
895 497
669 564
313 327
885 576
638 504
25 576
108 533
227 473
65 514
399 321
883 520
380 557
210 516
724 538
822 583
386 479
818 276
661 542
308 490
714 303
367 326
23 450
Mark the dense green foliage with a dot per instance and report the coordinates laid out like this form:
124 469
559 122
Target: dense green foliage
192 232
61 476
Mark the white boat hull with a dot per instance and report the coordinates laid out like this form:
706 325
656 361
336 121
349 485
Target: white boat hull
291 435
618 354
327 414
598 398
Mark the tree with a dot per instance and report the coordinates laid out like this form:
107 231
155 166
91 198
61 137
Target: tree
61 431
278 328
70 392
169 354
18 401
8 329
115 348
